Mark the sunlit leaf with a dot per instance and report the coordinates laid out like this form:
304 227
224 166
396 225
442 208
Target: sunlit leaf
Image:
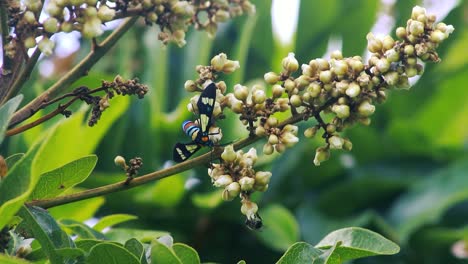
6 112
109 253
111 220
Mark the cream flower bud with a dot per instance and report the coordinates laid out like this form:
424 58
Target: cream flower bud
366 108
258 97
321 154
215 172
237 106
218 61
391 78
231 66
260 131
291 129
353 90
290 64
417 11
277 90
392 55
272 121
314 89
190 86
356 65
283 104
221 15
325 76
310 132
229 154
280 147
295 100
341 111
383 65
340 67
400 32
241 92
223 181
251 154
347 145
120 161
437 36
416 28
249 209
289 139
388 42
262 177
231 191
273 139
289 85
29 17
271 78
336 54
336 142
30 42
46 46
105 13
374 44
246 183
51 25
322 64
268 149
92 28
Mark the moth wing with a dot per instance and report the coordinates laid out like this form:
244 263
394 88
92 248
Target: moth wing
184 151
205 106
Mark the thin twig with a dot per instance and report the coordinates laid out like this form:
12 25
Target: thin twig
74 74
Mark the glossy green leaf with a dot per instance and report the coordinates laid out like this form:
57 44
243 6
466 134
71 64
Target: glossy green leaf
186 254
123 234
80 229
73 138
329 256
11 160
358 242
280 230
6 259
300 253
208 200
6 112
78 211
429 199
16 187
87 244
136 248
44 228
112 220
162 254
57 181
109 253
166 192
70 253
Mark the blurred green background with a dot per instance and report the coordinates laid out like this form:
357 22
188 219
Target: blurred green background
406 177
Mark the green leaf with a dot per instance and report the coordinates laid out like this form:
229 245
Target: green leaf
136 248
6 112
329 256
428 200
112 220
300 253
16 187
124 234
87 244
46 231
110 253
167 192
81 230
358 242
11 160
162 254
186 254
79 211
5 259
208 200
280 230
55 182
64 144
70 253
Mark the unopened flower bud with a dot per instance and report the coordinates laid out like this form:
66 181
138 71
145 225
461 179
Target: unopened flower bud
295 100
272 121
262 177
321 154
310 132
223 181
229 154
218 61
336 142
383 65
46 46
271 78
221 15
337 55
231 66
268 149
260 131
325 76
273 139
374 44
347 145
246 183
353 90
92 28
249 209
290 64
30 42
277 90
341 111
29 17
231 191
416 28
289 139
391 78
400 32
120 161
258 97
280 147
241 92
105 13
366 108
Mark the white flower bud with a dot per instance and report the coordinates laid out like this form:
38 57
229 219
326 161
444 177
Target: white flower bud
105 13
353 90
249 209
336 142
231 66
262 177
277 90
321 154
223 181
289 139
231 191
92 28
246 183
290 64
218 61
341 111
229 154
120 161
258 97
416 28
271 78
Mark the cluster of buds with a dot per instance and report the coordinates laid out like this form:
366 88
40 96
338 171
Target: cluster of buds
238 178
88 16
131 170
101 103
348 88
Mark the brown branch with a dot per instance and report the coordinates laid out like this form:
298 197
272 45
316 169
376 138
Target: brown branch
77 72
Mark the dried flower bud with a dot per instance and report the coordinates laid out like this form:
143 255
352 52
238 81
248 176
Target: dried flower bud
3 167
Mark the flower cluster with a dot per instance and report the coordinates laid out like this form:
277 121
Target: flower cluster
87 16
238 178
101 103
